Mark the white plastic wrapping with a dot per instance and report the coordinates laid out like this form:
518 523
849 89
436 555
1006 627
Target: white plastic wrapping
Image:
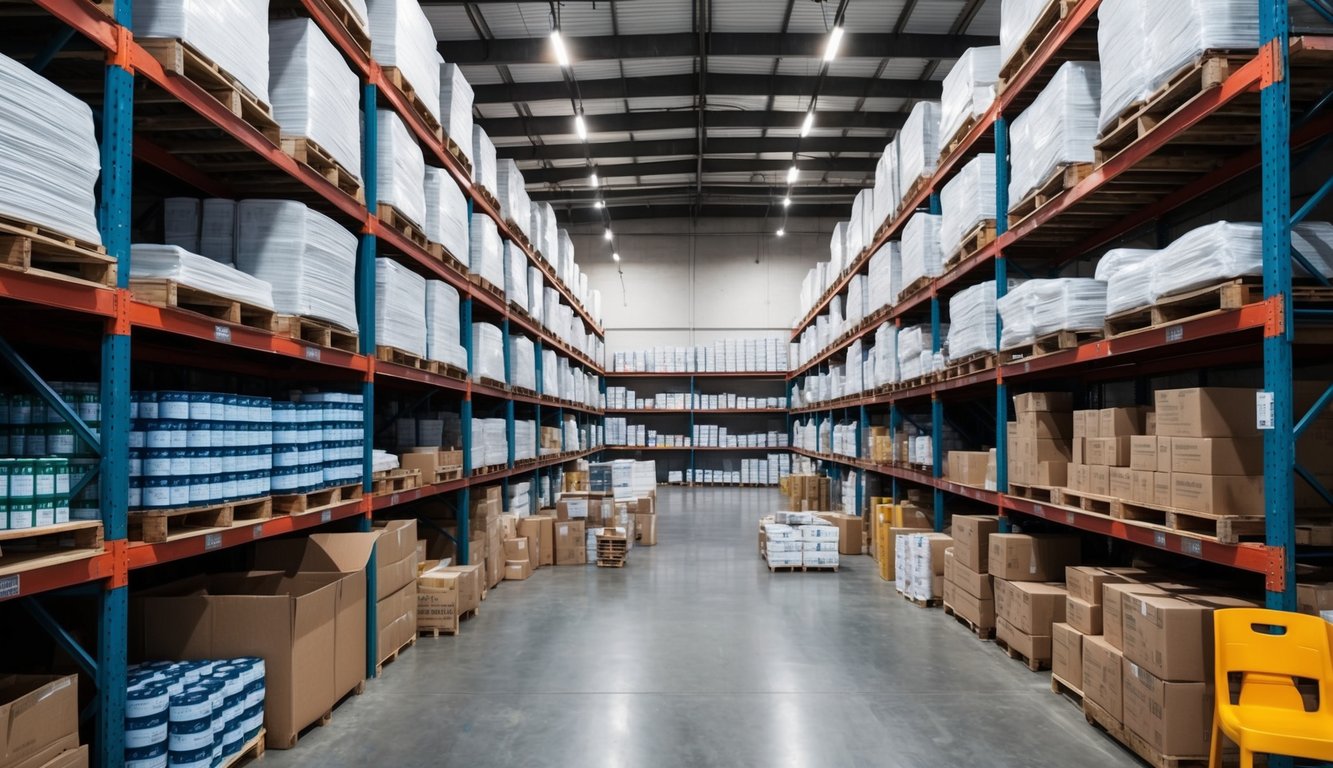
913 342
180 221
884 277
488 352
486 250
918 144
969 89
856 299
512 194
887 189
1058 129
516 275
446 213
49 159
456 107
1123 48
400 307
967 201
315 94
170 262
921 256
868 224
1223 250
401 36
233 33
402 168
886 354
522 363
1037 308
536 293
308 258
1180 31
550 373
444 325
838 249
217 230
971 321
1016 20
855 235
1127 273
484 170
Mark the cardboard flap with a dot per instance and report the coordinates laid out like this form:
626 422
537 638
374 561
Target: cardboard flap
317 553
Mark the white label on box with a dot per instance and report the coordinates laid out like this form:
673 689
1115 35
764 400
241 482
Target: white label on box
9 586
1263 402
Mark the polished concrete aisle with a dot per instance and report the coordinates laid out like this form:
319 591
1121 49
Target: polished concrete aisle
695 655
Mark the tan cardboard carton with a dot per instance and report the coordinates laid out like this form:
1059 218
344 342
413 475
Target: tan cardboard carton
39 718
395 556
850 531
1149 421
509 526
645 532
1094 449
517 549
1079 450
1143 452
1043 401
1217 494
437 599
980 585
1031 607
1163 454
1041 449
1049 473
968 467
979 611
1120 422
1143 486
1113 595
573 506
70 758
1218 455
1083 616
1173 718
1206 412
517 570
1161 488
971 535
1031 557
1169 637
1067 654
1079 478
1099 480
396 616
570 543
469 585
545 542
1102 672
1034 647
1120 482
1085 583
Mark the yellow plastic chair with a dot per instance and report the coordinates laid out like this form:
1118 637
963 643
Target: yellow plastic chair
1268 649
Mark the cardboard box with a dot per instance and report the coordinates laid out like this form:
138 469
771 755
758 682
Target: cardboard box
645 532
70 758
1120 422
887 558
1052 474
1031 557
1079 450
1102 675
39 718
978 584
1085 583
303 611
1067 654
1161 488
1163 454
1149 421
495 564
979 611
850 531
1142 486
1031 607
1043 401
1113 594
1169 637
1099 480
968 467
971 536
517 549
540 532
396 616
1120 482
1218 455
1217 494
570 543
1206 412
1143 453
1041 449
1079 478
1045 425
437 599
1315 600
572 506
517 570
1083 616
395 556
1173 718
1095 451
1034 647
509 526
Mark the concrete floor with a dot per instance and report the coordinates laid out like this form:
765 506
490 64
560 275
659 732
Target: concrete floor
695 655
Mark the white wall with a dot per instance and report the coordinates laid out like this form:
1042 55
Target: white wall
687 283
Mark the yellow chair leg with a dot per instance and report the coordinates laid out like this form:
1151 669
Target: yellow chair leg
1215 755
1246 758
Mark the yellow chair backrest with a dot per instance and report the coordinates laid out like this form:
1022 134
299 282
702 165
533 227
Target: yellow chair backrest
1269 649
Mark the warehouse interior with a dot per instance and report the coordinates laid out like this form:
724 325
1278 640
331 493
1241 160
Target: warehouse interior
666 382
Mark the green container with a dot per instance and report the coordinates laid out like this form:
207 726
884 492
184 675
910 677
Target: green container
60 440
4 514
44 479
44 511
4 478
22 513
22 479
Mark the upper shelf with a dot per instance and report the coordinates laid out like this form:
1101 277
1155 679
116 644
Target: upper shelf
697 375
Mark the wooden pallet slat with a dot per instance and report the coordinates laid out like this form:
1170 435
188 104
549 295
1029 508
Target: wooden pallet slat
982 633
1042 27
309 153
23 549
155 526
978 363
339 10
32 248
170 293
395 481
1033 665
395 76
1049 344
317 332
250 751
184 60
400 223
973 243
315 501
393 655
1063 178
402 357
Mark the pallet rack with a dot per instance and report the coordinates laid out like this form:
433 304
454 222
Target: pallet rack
131 330
1262 331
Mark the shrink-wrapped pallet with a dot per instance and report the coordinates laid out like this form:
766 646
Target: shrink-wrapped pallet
856 299
315 94
971 322
485 173
967 201
522 362
180 222
886 354
536 293
1037 308
446 213
969 89
912 343
1058 129
855 382
400 307
217 230
490 442
401 167
855 240
918 144
486 251
1127 274
550 373
488 352
49 158
401 36
170 262
887 189
512 193
837 249
545 240
550 305
1180 31
564 255
1016 20
231 33
886 276
1224 250
1124 50
921 256
516 274
456 107
308 258
444 325
595 304
869 226
525 447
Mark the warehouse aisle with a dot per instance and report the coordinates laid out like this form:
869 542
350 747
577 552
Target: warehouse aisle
695 655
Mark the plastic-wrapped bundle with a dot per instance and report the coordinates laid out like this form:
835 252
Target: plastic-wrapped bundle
855 383
550 373
180 222
550 303
525 447
400 307
856 299
401 36
233 33
486 251
855 236
536 293
456 107
315 94
912 342
546 235
488 352
1016 20
921 256
918 144
886 354
1178 32
1123 48
446 212
170 262
1127 275
513 195
1016 316
49 159
967 201
217 230
1067 304
1119 259
522 363
1059 128
969 89
564 255
595 305
444 325
869 226
971 321
887 188
1224 250
837 249
882 283
485 172
308 258
490 442
516 274
401 167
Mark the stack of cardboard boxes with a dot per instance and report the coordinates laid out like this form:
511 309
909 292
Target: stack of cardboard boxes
395 585
1029 597
880 445
974 468
1039 447
968 590
919 566
799 540
807 493
1105 453
446 594
487 544
890 521
39 722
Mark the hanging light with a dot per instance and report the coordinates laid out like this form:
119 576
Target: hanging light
558 43
607 235
786 202
615 257
592 180
834 40
598 205
580 127
781 231
793 173
808 124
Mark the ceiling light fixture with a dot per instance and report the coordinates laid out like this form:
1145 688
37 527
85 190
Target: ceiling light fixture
781 231
808 124
592 179
786 202
598 205
793 173
607 235
558 43
615 257
580 127
834 40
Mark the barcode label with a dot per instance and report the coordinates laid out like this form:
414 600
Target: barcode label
222 333
9 586
312 353
212 541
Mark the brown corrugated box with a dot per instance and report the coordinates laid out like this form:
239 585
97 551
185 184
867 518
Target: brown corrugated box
1043 401
1102 672
645 531
39 718
1099 480
543 540
1218 494
1067 654
70 758
1123 421
1206 412
437 598
1163 454
1170 637
971 535
968 467
1034 647
850 531
1083 616
1031 557
518 548
395 556
396 616
570 543
1120 482
517 570
1218 455
1113 606
979 585
1161 488
1173 718
1143 492
1030 607
1143 453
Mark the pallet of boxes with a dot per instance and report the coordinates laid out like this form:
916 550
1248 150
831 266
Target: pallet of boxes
891 521
395 587
969 592
1028 571
806 493
798 541
919 562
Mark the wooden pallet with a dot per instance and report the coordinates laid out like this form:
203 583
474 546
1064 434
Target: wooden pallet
317 159
155 526
450 371
1088 502
978 363
338 10
492 469
27 548
1041 493
496 383
456 151
250 751
1226 529
435 632
982 633
1064 178
910 194
1101 719
612 551
915 287
947 148
1049 344
1034 665
444 255
315 501
1061 687
395 481
395 76
487 285
401 357
169 293
1222 297
933 602
317 332
1041 28
973 243
182 60
443 475
395 220
34 249
392 656
797 568
491 200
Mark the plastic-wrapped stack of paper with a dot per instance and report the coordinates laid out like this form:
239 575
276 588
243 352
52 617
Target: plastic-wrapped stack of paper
1016 327
918 144
1127 273
170 262
400 307
887 189
1037 308
856 299
921 256
1223 250
444 325
446 213
1058 129
513 195
1016 20
402 168
550 307
969 89
456 107
522 362
1123 48
855 235
595 305
536 293
485 173
1178 32
232 33
545 239
886 354
912 343
180 220
525 447
217 230
564 263
971 322
885 277
308 258
49 159
550 381
490 442
401 36
315 94
837 249
866 199
855 383
488 352
516 274
967 201
486 251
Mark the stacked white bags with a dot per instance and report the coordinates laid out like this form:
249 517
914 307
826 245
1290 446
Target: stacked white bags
918 144
971 322
401 36
1179 31
887 189
170 262
444 325
513 194
969 89
315 94
308 258
522 362
544 227
1224 250
866 199
1059 128
400 307
456 107
401 167
446 213
1127 273
915 345
1016 20
180 221
921 256
217 230
837 249
967 201
855 235
885 277
536 293
1037 308
484 172
886 354
1123 48
486 252
856 299
490 442
233 33
525 447
49 159
488 352
550 373
855 382
564 264
516 274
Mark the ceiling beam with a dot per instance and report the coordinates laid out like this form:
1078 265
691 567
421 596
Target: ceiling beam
719 84
858 167
537 50
719 146
721 192
585 214
677 119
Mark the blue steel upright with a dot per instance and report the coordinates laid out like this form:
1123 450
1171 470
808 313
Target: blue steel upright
365 320
1001 288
